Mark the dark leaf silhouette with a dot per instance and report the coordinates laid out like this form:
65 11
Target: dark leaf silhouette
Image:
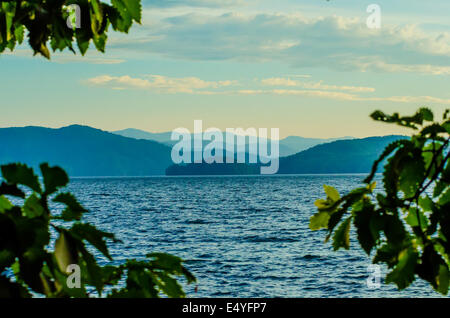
407 224
25 243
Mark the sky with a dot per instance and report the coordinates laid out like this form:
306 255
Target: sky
311 68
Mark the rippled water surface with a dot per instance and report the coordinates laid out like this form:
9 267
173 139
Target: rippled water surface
241 236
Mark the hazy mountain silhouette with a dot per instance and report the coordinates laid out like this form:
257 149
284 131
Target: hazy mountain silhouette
297 144
84 151
287 146
342 156
163 137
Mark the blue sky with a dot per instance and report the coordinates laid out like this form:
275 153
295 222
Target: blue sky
311 68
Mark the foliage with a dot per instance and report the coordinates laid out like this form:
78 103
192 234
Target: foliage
46 21
29 266
406 226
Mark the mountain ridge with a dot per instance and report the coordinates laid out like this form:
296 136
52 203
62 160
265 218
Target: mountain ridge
287 146
84 151
338 157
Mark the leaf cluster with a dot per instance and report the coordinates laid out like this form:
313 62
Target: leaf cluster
32 263
406 225
46 23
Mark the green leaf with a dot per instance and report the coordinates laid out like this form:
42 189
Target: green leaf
372 186
445 114
74 210
348 200
188 275
445 198
367 223
131 8
17 173
9 9
32 207
332 193
97 11
404 273
341 237
91 272
319 221
432 158
111 275
18 32
440 186
65 251
100 42
322 204
141 283
386 152
413 221
433 269
165 261
171 264
446 126
394 229
411 176
95 237
426 114
10 189
83 38
426 203
334 220
433 130
54 178
5 204
118 22
169 286
332 201
443 279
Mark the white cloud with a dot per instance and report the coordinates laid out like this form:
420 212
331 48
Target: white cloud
347 96
279 81
376 64
333 42
306 93
194 85
412 99
162 84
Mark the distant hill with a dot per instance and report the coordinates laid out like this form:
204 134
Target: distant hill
163 137
84 151
342 156
297 144
288 146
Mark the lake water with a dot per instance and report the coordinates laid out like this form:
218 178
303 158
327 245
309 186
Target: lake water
241 236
